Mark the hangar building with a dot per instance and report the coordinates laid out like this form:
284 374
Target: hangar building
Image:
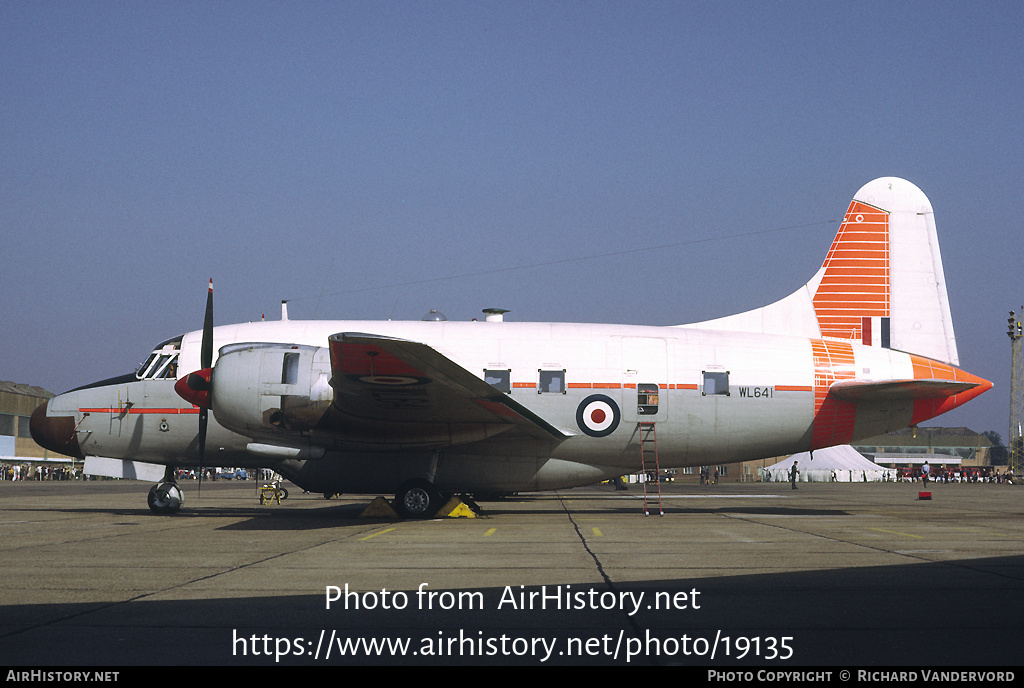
17 402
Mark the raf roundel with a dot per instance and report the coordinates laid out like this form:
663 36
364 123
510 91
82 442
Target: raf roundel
598 415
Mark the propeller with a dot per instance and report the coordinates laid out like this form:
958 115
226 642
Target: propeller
195 387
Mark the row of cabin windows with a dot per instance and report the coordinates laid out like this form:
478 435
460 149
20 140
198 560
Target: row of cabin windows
716 383
548 381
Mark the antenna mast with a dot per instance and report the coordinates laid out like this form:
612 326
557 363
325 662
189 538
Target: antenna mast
1015 441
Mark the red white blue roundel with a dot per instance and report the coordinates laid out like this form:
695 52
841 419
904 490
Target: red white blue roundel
598 415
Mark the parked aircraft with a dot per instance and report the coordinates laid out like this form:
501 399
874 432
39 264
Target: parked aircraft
429 408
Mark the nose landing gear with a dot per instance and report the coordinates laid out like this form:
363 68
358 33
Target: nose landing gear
165 498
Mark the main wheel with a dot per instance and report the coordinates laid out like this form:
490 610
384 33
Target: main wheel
417 499
165 498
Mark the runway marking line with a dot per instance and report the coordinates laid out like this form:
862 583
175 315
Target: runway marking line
490 532
896 532
379 532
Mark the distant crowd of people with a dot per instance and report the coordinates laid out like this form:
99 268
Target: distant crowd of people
215 473
949 474
25 471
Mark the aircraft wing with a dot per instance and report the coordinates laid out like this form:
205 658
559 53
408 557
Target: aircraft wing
859 390
392 392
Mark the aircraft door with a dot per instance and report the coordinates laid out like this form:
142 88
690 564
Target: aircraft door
645 379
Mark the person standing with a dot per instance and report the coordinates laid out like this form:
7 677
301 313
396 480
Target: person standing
794 473
925 470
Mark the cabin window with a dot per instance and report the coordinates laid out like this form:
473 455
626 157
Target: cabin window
716 383
501 380
551 382
647 399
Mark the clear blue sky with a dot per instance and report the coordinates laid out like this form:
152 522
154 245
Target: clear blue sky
378 159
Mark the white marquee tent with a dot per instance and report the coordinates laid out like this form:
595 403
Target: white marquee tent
842 464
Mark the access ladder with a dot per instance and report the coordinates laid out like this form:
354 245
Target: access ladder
649 469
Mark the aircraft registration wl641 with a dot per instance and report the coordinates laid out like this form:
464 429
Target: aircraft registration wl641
431 408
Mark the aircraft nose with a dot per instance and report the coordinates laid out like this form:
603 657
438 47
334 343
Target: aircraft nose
56 433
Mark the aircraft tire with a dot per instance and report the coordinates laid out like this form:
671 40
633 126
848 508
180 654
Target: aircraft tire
417 498
165 498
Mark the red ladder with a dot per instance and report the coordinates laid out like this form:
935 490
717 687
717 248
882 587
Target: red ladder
649 464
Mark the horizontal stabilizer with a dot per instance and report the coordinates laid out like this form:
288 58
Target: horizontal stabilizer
860 390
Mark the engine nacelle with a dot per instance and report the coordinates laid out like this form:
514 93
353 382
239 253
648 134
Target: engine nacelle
267 390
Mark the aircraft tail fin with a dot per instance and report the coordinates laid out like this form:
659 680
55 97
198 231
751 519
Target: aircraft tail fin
881 283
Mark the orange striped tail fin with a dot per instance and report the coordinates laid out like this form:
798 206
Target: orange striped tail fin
882 282
855 288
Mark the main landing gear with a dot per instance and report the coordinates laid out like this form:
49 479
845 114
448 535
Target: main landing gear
166 497
418 498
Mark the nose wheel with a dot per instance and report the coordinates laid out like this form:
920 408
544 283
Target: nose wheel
165 498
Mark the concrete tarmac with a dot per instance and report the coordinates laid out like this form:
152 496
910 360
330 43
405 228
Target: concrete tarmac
731 575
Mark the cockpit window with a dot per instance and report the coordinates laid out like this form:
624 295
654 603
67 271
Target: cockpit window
159 366
162 364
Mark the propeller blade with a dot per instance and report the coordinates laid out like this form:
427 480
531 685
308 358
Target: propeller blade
206 354
206 361
202 447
